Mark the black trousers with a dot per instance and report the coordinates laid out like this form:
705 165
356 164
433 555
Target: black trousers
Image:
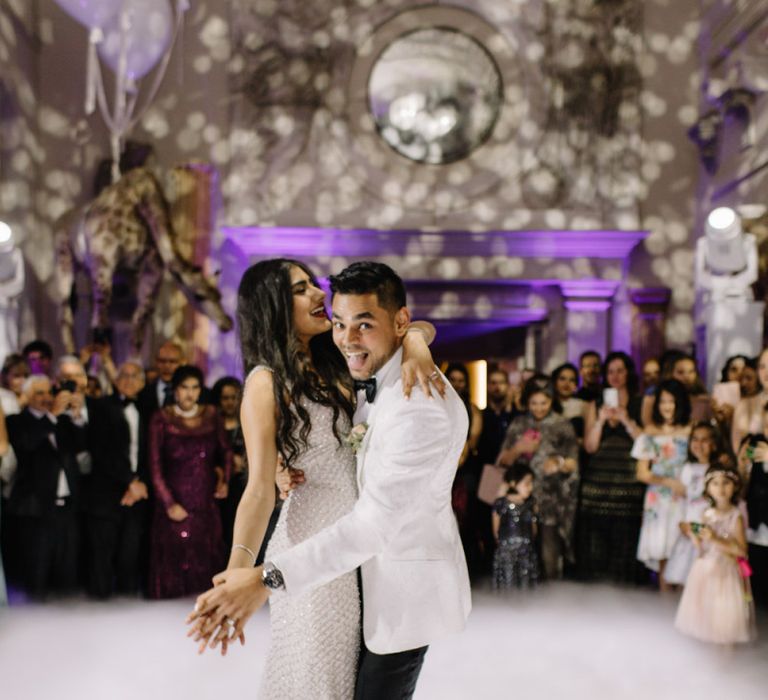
114 549
49 551
758 560
388 676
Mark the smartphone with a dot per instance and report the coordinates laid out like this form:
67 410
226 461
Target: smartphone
696 528
611 397
726 392
66 385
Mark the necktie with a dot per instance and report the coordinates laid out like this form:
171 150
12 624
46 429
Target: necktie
168 399
367 385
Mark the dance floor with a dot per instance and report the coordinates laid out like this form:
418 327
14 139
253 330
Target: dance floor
565 641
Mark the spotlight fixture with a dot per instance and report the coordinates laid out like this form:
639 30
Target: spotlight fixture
726 257
6 235
726 251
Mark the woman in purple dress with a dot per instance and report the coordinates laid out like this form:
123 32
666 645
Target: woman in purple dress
190 459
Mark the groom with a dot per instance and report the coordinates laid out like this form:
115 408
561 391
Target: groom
402 532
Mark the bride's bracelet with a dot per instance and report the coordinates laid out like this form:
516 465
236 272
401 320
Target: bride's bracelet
245 549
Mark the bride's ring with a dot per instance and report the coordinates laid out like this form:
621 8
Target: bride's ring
229 623
434 375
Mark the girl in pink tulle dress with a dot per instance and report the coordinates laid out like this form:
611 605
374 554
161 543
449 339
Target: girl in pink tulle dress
717 600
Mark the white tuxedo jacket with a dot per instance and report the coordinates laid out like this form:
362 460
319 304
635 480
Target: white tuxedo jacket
402 532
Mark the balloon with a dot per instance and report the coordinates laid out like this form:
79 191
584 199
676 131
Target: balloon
91 13
147 37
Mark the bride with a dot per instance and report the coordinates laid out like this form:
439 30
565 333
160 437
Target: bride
297 406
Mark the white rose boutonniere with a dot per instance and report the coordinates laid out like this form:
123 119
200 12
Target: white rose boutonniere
356 436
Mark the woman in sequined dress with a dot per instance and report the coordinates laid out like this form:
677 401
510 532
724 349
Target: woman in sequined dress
190 460
297 404
515 564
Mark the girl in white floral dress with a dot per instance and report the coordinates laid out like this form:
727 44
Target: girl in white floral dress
661 452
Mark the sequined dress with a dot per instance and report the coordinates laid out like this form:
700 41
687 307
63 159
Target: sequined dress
515 564
185 555
316 636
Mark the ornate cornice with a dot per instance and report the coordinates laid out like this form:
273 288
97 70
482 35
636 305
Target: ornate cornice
265 242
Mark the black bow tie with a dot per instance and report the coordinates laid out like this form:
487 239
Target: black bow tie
367 385
125 401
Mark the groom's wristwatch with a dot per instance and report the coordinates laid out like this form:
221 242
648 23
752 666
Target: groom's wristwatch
272 577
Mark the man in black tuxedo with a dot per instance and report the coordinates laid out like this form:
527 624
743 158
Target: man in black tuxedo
117 493
46 437
168 359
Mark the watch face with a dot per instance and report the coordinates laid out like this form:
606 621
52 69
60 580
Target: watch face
272 578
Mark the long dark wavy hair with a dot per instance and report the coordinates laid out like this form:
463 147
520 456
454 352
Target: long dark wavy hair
267 337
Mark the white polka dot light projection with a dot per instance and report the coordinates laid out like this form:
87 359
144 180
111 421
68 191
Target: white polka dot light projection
591 134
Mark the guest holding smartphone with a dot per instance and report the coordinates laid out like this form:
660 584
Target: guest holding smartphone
545 439
611 505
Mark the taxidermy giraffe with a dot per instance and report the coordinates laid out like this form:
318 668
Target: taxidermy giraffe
126 226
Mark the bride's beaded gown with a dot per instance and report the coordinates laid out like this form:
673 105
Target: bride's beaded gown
316 636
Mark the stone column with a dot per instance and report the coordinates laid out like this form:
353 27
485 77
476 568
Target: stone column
588 304
649 320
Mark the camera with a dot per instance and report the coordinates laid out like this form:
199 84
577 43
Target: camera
102 336
67 385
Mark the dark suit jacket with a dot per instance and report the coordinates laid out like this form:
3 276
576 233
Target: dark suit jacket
147 401
109 442
39 462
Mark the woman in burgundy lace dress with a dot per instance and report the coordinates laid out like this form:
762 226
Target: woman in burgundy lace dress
190 460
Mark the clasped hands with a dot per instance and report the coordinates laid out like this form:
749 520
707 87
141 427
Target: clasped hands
220 614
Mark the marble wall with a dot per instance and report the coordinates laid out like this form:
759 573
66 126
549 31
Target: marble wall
592 138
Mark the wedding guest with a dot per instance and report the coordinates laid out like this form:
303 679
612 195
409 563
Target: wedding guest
97 361
15 370
458 375
716 605
159 393
611 504
515 562
651 375
747 418
46 438
227 394
685 371
702 452
190 461
496 417
93 388
39 356
748 382
753 468
589 371
733 368
565 379
545 440
466 478
660 452
12 399
4 445
116 493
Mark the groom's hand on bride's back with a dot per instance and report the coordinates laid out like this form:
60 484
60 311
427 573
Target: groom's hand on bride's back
287 479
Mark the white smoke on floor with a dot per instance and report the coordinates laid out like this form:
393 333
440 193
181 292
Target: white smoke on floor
567 640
